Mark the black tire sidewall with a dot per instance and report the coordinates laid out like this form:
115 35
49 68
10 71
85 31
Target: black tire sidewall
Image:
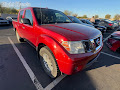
52 58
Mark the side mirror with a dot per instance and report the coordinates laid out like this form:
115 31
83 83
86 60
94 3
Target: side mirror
25 21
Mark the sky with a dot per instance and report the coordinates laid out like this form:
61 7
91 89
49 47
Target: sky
81 7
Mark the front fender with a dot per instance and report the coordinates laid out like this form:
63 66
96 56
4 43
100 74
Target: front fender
57 49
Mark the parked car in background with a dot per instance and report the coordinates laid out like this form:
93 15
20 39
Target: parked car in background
3 22
76 20
86 21
107 23
97 21
116 23
9 18
114 41
62 46
101 28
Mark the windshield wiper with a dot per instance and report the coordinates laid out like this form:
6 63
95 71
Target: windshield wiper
67 22
63 22
55 22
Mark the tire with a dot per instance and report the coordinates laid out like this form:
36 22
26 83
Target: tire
48 62
19 38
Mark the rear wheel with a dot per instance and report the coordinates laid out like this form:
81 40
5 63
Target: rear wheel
19 38
48 62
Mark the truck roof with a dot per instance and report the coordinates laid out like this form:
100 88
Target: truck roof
35 7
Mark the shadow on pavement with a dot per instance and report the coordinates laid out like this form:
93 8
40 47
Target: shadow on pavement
80 80
104 60
13 75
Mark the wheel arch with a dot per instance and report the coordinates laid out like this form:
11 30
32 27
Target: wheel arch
53 45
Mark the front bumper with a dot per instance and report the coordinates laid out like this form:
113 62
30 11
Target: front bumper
76 63
92 61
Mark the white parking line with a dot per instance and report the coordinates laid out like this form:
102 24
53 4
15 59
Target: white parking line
106 38
110 55
28 69
55 82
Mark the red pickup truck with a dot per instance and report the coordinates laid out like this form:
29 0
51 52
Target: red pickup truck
62 46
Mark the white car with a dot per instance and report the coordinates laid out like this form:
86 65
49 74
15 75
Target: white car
10 19
4 22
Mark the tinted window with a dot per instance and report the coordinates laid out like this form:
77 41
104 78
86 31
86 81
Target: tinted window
97 21
37 14
49 16
83 21
28 15
88 22
20 16
75 20
108 21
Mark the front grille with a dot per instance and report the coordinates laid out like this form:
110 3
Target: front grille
97 41
93 45
86 45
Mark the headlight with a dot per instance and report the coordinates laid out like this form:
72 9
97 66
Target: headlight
73 47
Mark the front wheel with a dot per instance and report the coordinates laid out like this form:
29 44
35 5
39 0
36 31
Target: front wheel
48 62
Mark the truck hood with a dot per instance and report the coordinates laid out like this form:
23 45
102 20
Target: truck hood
73 31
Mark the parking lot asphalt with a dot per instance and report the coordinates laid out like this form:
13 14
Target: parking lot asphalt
102 75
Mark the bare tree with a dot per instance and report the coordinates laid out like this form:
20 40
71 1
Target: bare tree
8 10
75 15
117 17
1 8
67 12
96 16
108 16
84 16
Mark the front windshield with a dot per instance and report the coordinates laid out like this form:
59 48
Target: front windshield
49 16
108 21
75 20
